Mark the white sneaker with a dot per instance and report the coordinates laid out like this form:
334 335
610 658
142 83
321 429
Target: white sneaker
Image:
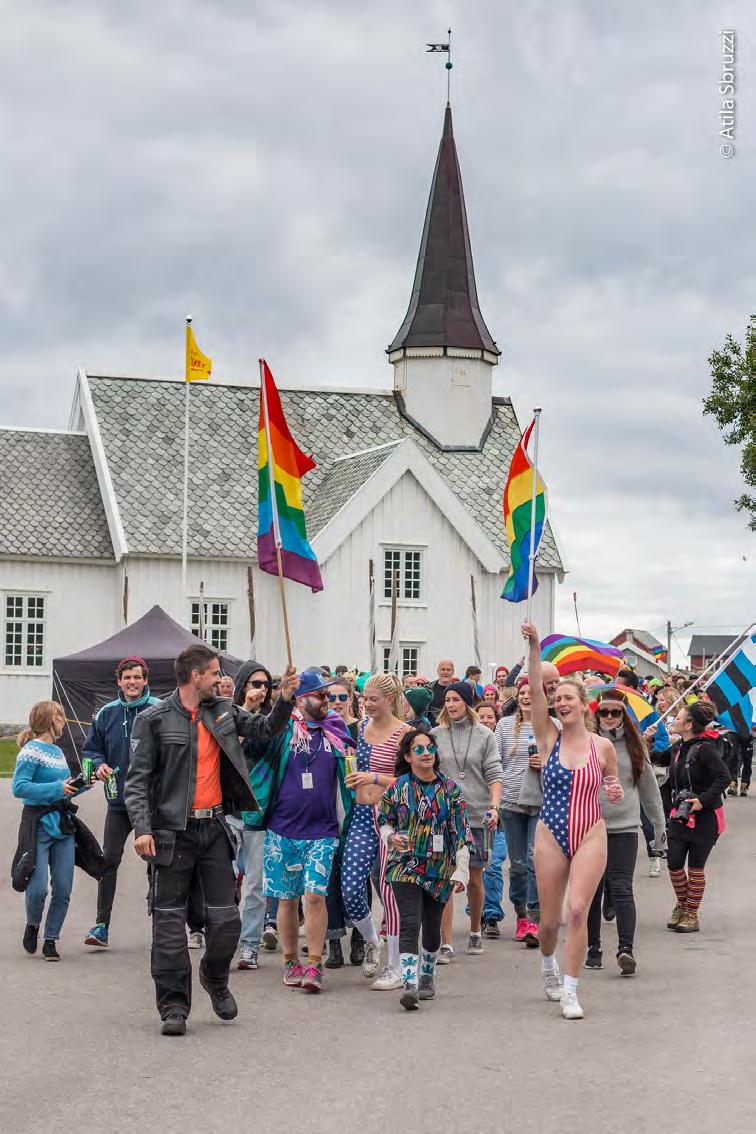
552 983
387 981
571 1009
372 959
196 940
446 955
654 867
270 939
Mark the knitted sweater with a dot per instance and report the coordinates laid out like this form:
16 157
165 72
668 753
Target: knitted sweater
38 781
625 816
471 749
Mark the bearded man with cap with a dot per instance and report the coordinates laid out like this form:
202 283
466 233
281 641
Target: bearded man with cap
468 755
307 813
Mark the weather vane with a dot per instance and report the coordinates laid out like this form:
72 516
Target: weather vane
447 48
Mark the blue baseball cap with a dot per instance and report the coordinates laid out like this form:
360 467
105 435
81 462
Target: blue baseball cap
312 680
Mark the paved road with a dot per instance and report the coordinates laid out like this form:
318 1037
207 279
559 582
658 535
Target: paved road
675 1046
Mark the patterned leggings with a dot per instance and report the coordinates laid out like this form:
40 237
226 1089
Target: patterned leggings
362 845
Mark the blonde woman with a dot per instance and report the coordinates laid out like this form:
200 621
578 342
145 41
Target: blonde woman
570 841
42 780
377 741
467 754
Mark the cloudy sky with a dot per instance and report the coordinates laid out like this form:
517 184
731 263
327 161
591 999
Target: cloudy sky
264 166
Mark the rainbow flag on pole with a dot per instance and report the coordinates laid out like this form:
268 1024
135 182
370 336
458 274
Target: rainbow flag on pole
570 655
518 507
280 517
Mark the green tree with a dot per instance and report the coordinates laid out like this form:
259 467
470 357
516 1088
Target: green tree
732 404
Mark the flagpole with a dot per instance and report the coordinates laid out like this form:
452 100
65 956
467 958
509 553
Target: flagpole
274 509
733 646
185 523
476 635
371 617
531 557
577 616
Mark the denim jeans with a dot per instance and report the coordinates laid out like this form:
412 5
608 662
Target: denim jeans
253 901
520 831
57 856
493 879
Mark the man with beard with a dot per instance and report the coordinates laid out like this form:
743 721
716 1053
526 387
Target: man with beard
187 772
306 813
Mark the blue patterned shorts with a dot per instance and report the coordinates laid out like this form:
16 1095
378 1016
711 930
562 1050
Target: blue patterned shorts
293 867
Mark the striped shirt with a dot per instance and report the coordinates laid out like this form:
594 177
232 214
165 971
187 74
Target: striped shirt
514 761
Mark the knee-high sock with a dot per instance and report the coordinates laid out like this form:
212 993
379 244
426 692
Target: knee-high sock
393 951
409 969
366 927
428 963
696 885
679 880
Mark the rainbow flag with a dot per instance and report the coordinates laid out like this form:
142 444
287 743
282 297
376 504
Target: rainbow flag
659 653
280 517
518 503
572 654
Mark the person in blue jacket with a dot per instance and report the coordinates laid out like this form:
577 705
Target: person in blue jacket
42 780
108 743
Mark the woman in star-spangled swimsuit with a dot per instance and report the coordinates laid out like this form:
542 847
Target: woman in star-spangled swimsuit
570 841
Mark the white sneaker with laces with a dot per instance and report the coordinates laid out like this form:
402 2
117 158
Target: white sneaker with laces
475 944
196 940
446 955
571 1009
372 959
270 939
387 981
654 867
552 983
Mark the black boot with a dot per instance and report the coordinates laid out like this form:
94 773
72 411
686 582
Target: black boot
335 956
357 950
31 938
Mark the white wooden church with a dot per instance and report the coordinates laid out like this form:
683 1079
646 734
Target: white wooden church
409 482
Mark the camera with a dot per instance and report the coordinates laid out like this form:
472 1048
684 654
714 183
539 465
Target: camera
683 805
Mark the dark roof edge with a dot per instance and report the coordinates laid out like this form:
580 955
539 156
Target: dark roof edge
399 399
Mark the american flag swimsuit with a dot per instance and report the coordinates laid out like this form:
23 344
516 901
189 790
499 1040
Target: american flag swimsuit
571 799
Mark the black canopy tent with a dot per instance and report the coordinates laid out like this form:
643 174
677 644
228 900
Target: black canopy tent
85 681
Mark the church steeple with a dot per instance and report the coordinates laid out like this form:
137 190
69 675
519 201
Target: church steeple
443 309
443 353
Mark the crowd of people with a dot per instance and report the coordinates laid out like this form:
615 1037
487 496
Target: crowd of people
272 810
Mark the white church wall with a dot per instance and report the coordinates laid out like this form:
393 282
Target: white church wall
500 638
448 396
82 606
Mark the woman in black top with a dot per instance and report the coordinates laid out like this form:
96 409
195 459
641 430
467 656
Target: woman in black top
698 779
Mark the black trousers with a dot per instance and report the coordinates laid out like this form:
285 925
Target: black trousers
621 853
205 846
691 844
117 830
417 909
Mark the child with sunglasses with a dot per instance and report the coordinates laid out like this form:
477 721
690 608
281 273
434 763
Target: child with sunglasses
424 825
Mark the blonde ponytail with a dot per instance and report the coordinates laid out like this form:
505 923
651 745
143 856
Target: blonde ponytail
390 687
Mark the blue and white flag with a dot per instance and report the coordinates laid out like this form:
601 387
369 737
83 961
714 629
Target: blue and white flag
733 689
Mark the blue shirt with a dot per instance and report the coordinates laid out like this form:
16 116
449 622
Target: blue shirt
38 781
308 813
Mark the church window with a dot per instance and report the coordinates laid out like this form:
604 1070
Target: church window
408 566
24 631
213 626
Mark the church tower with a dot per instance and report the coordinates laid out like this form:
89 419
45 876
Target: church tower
443 353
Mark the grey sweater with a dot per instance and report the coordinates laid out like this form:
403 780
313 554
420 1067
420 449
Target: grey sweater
625 816
482 768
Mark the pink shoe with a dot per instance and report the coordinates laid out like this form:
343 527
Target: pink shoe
531 937
521 929
312 979
293 973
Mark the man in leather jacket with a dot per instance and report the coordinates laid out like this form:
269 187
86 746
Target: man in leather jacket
187 771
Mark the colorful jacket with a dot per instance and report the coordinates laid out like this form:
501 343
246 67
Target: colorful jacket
421 810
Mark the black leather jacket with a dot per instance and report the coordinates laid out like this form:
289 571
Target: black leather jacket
162 774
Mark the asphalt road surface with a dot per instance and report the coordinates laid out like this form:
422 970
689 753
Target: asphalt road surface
672 1048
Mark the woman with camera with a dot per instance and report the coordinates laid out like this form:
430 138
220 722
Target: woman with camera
698 779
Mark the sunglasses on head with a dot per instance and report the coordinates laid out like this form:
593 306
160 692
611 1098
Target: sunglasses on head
611 712
420 750
338 697
257 684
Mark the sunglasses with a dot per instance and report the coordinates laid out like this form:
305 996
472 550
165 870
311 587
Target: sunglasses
258 684
321 694
420 750
338 697
611 712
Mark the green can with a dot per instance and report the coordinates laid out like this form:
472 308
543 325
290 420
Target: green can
87 768
111 785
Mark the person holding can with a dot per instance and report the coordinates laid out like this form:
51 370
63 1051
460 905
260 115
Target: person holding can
106 754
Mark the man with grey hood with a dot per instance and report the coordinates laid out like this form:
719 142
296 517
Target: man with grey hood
253 690
616 722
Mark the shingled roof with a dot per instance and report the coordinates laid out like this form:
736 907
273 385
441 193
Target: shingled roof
141 425
444 309
50 506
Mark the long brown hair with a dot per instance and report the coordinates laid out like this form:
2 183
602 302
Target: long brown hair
40 721
636 746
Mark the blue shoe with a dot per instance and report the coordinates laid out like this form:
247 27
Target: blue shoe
98 936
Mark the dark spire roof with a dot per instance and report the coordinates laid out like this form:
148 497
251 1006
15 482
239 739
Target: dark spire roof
443 309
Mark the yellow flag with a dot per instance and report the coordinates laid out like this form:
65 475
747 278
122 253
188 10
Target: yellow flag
198 365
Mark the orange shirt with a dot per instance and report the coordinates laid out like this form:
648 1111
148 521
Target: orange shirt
208 790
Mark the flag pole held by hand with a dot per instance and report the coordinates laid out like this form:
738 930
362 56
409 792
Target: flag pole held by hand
274 509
